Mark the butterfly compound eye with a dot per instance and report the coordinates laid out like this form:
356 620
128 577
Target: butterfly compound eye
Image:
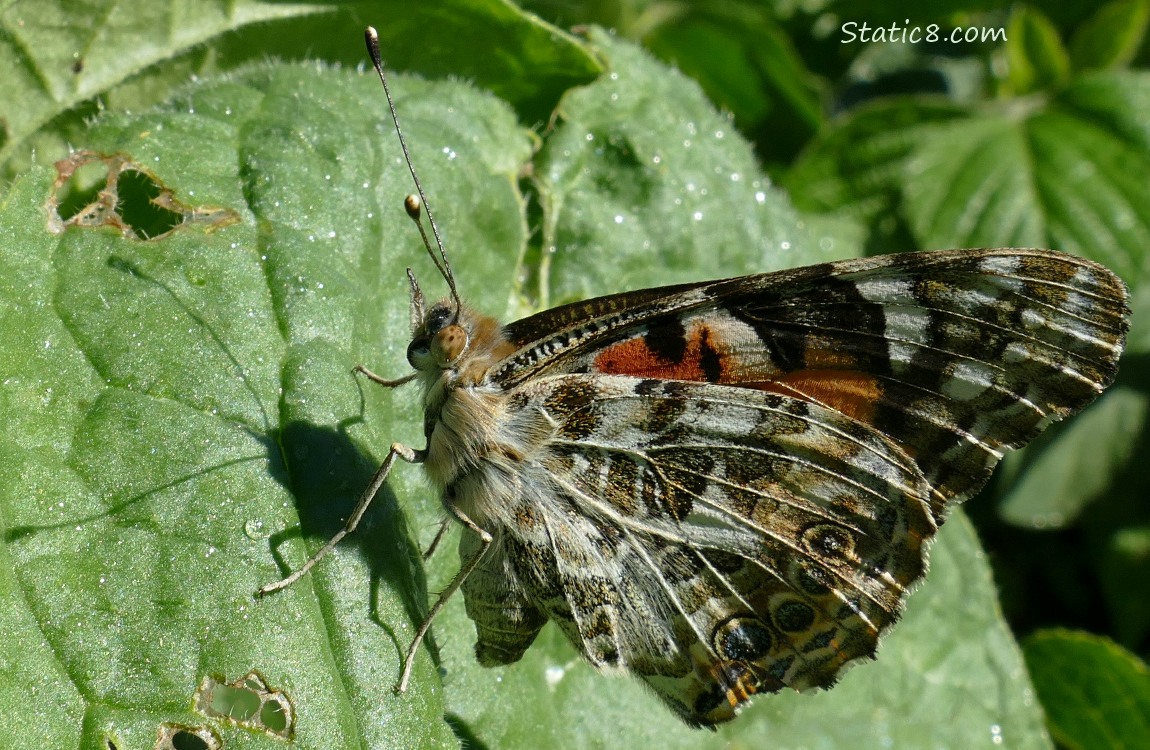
448 344
438 318
417 352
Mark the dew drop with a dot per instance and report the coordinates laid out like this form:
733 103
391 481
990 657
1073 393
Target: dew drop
553 675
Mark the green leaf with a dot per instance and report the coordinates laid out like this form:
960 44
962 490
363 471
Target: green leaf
747 65
55 64
1065 175
1049 483
641 164
1111 37
178 400
1035 53
133 54
858 168
1096 694
1052 178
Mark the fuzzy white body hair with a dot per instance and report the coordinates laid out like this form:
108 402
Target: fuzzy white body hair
476 444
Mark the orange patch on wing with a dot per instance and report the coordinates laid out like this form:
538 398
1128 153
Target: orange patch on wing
737 680
853 393
635 357
825 357
742 690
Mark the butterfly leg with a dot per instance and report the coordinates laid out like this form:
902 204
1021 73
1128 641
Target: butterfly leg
397 451
446 523
466 570
385 382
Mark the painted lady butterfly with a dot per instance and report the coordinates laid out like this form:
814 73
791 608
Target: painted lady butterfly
729 487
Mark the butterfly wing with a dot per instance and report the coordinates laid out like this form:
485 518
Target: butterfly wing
957 355
739 477
714 541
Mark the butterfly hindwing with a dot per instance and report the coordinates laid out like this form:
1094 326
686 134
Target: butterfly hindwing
714 541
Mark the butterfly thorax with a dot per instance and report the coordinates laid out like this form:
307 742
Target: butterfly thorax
470 443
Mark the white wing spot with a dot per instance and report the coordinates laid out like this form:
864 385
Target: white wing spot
968 380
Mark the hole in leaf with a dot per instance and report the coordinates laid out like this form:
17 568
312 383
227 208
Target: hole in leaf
188 741
93 190
179 737
82 189
274 714
237 704
248 702
141 206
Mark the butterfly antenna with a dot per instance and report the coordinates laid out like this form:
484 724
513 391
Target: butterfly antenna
413 204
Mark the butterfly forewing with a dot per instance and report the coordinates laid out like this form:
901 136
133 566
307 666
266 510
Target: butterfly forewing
958 355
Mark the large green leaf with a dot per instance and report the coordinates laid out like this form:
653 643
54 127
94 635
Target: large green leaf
640 165
1096 694
176 401
1063 175
62 55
